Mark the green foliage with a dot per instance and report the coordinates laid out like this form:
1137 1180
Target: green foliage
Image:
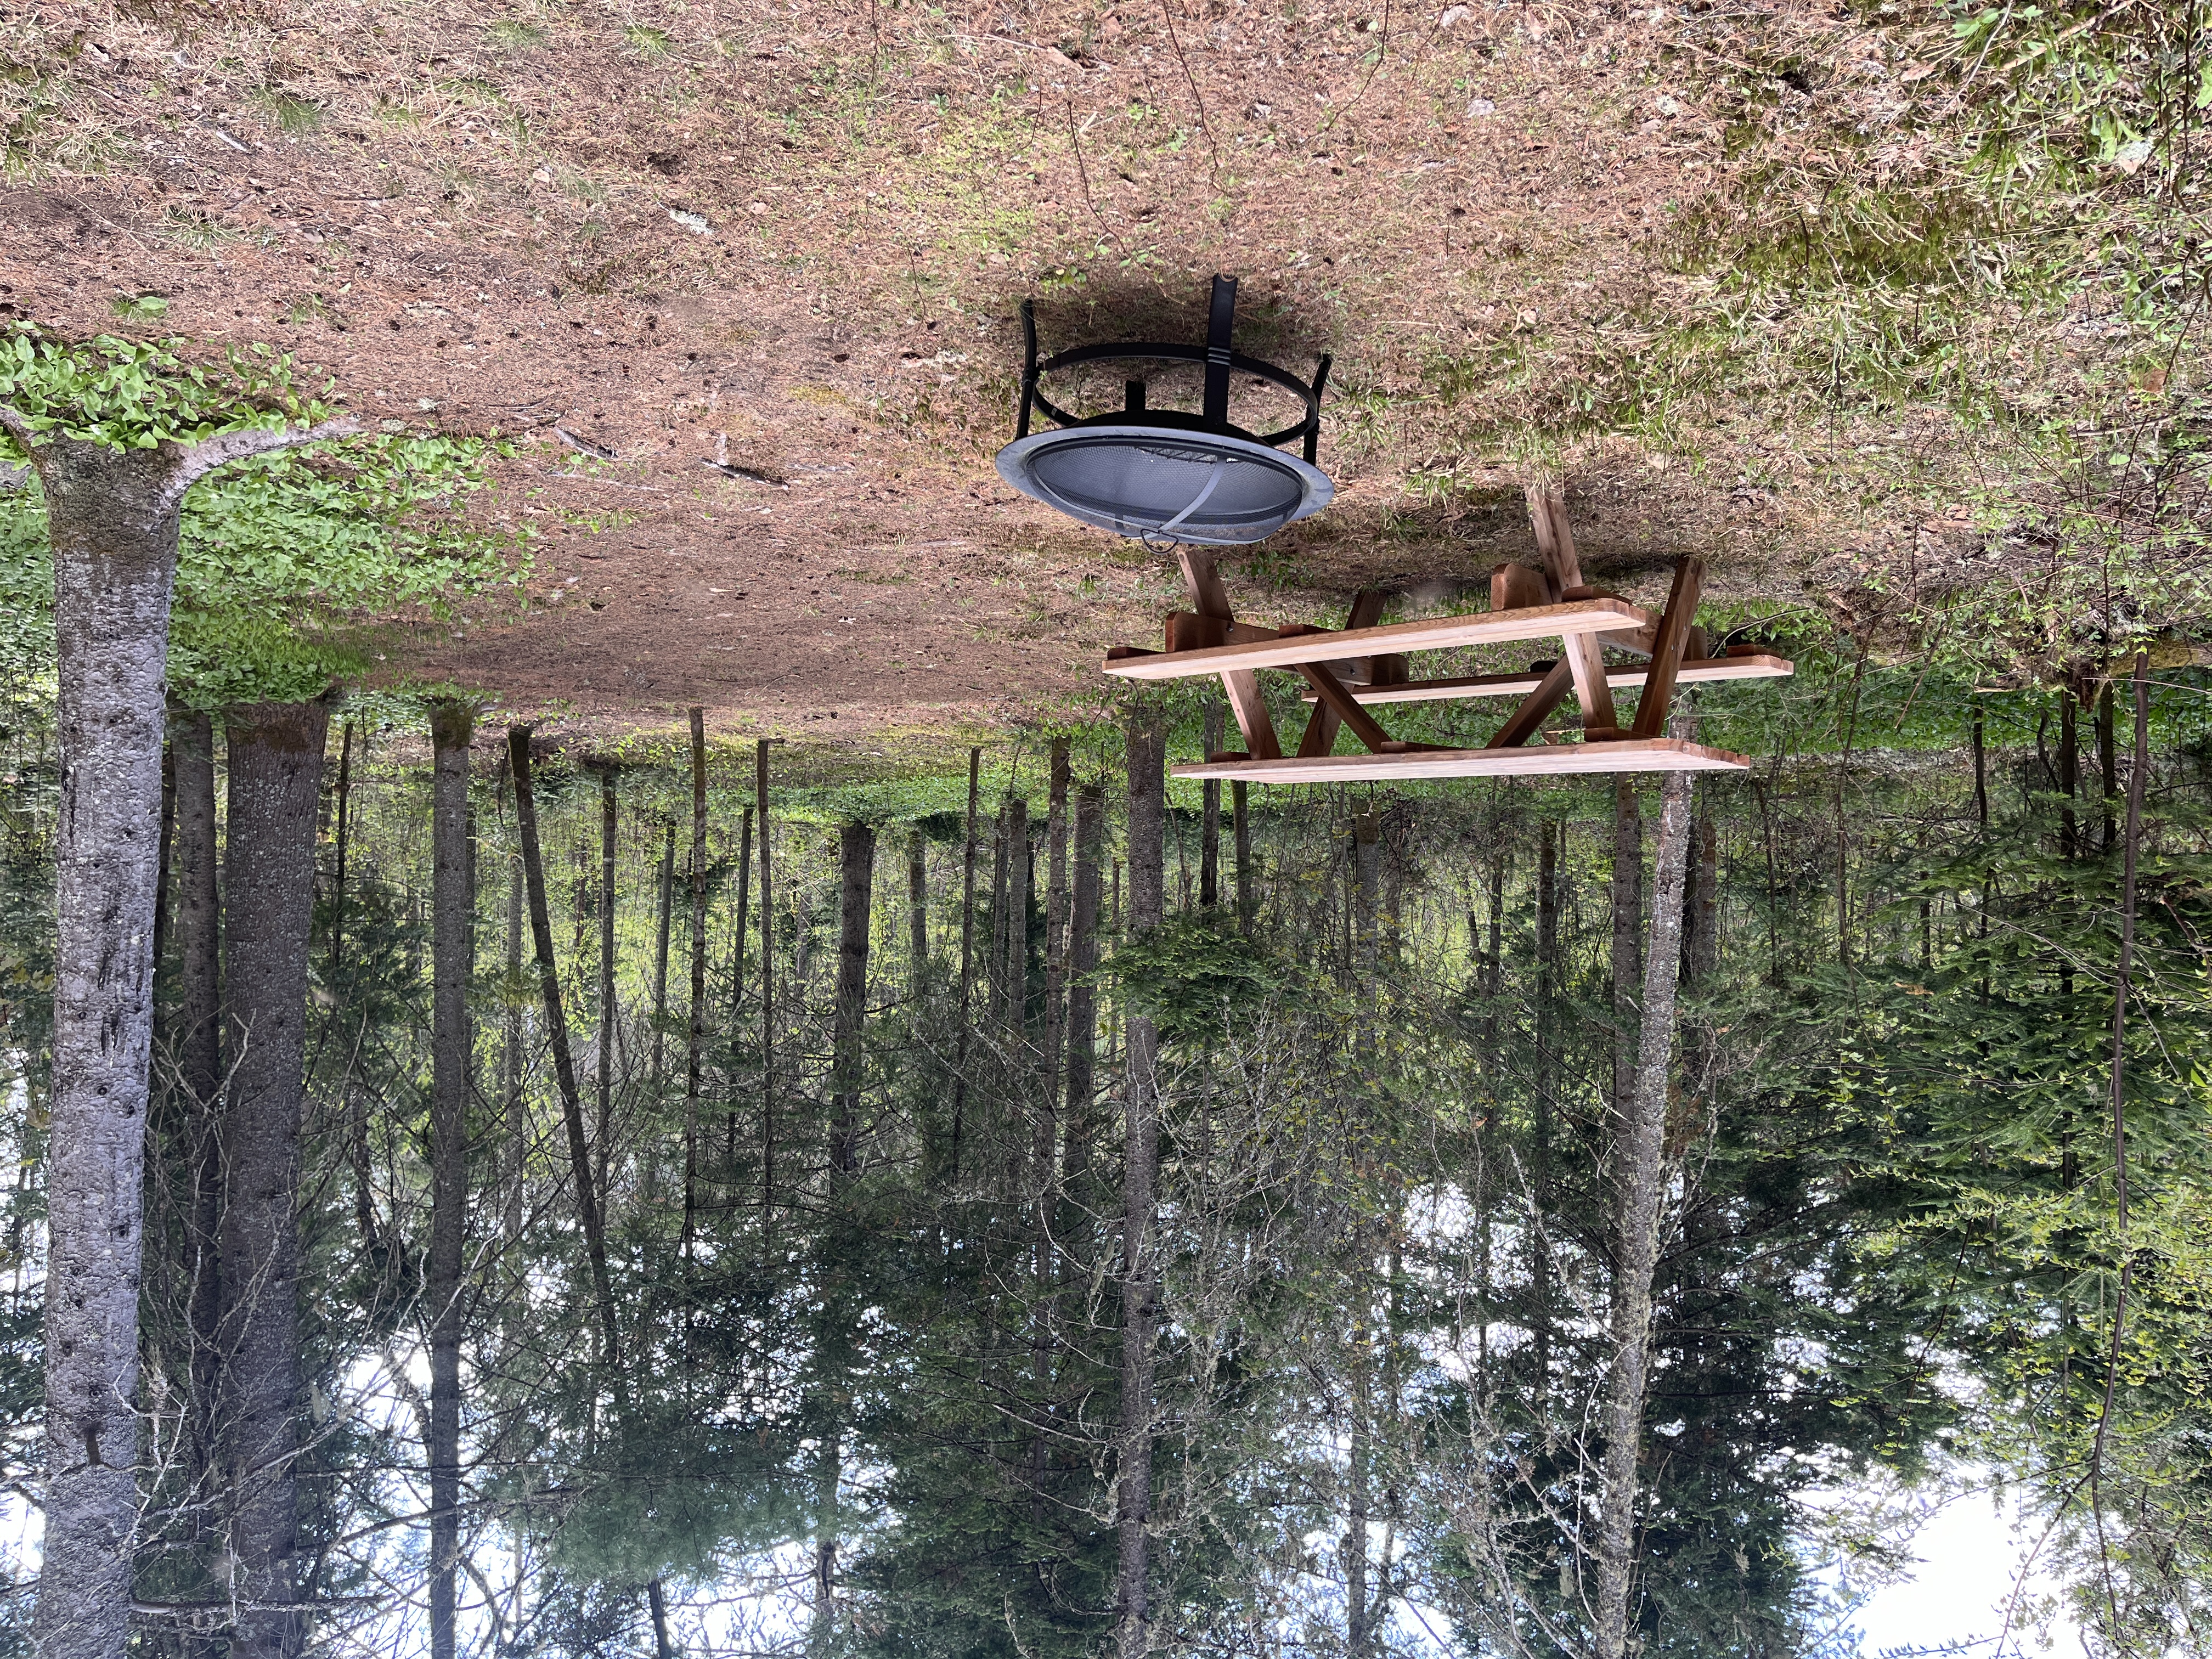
134 394
1191 973
280 554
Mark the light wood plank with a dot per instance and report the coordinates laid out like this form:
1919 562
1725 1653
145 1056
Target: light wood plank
1208 596
1519 685
1517 587
1535 708
1321 725
1332 694
1629 755
1323 645
1253 718
1672 635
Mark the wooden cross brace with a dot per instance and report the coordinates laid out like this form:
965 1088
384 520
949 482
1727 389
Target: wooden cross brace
1581 665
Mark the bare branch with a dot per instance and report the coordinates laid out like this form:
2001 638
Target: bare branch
202 457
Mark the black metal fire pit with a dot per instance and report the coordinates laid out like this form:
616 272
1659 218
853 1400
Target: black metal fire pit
1161 475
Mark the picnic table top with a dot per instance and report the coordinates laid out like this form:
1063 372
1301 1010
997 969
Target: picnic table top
1626 755
1574 617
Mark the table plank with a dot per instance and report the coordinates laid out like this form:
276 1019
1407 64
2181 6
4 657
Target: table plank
1487 627
1629 754
1519 685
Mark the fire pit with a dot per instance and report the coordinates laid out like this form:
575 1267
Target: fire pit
1162 476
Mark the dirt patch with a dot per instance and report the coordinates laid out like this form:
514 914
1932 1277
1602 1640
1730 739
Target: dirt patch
746 279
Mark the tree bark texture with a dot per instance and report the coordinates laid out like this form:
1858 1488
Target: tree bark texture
967 960
767 990
856 847
452 908
1209 831
1367 898
1082 994
738 976
1016 968
112 524
1045 1131
1540 1160
694 1053
275 754
1241 818
557 1026
917 916
199 1057
1640 1156
510 1059
1147 760
1628 973
345 828
664 891
603 1128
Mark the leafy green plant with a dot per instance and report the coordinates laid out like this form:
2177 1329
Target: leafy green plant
282 558
134 394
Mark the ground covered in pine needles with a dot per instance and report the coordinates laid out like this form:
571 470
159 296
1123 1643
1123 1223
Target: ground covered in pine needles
1893 312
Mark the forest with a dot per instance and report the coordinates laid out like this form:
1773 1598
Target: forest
701 1213
640 1019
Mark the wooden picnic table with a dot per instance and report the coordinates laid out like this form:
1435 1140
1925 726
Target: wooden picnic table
1350 669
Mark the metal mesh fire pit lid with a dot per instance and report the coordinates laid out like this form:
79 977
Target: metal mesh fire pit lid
1207 489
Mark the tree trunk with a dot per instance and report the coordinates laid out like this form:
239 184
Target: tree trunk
738 977
1366 893
695 1053
198 1049
667 894
1640 1159
1045 1132
453 904
604 1130
857 867
276 753
2069 773
1627 976
917 917
557 1026
1241 821
1209 829
1082 994
1704 953
2107 763
1367 898
510 1064
1539 1161
164 846
767 993
112 525
345 829
111 521
1017 966
1147 759
967 962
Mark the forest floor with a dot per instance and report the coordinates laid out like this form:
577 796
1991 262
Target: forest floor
792 239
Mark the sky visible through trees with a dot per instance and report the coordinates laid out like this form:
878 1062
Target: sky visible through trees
834 1359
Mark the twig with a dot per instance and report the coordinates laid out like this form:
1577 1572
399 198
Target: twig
1196 98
